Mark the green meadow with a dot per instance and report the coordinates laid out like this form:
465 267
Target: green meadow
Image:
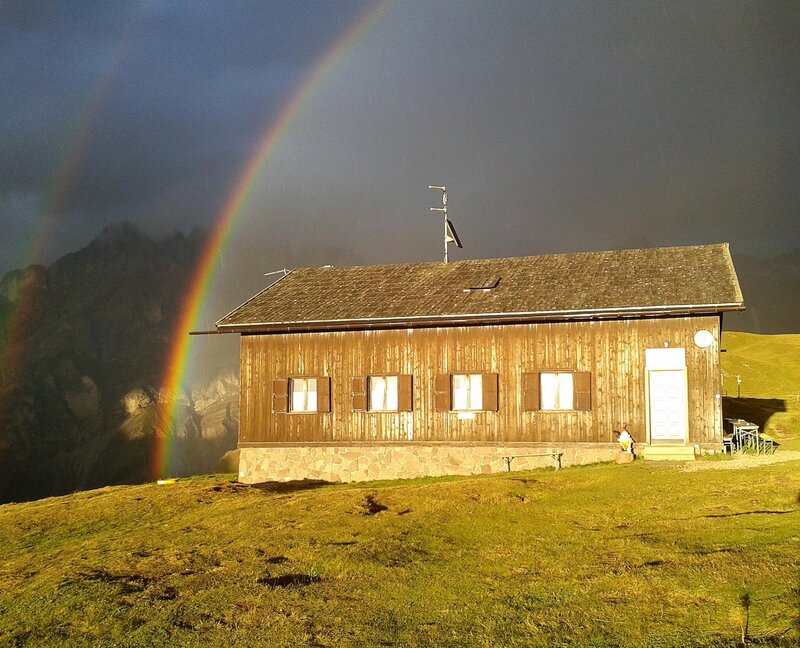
769 368
646 554
635 555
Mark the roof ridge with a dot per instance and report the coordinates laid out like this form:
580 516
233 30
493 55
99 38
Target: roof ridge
513 258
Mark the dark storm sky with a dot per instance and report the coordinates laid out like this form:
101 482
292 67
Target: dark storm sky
556 127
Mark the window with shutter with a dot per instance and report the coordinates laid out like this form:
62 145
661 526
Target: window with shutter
310 394
562 391
473 392
382 393
303 394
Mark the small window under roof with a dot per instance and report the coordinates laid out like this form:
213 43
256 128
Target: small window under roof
486 285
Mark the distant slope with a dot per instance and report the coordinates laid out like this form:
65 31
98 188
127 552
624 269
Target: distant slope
769 364
769 367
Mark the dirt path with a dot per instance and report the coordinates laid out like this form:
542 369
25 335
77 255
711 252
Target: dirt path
741 461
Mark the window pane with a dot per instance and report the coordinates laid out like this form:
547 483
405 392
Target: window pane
460 392
565 391
311 398
377 392
556 392
475 391
383 393
391 392
298 394
549 391
467 391
304 395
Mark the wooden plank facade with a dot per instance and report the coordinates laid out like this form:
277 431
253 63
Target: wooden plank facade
611 352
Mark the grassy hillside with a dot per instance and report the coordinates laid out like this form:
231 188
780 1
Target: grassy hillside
635 555
769 366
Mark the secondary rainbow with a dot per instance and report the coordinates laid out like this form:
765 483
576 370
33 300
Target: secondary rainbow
203 276
12 345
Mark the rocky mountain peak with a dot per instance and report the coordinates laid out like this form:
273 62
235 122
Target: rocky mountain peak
16 282
81 407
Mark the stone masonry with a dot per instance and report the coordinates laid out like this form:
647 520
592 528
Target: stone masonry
366 463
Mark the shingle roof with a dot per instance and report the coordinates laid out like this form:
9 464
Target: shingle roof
692 279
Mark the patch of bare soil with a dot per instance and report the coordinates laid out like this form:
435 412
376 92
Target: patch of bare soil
741 461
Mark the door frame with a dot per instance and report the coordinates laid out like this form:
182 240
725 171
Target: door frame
663 362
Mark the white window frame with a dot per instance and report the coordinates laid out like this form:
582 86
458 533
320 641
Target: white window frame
304 400
467 388
563 398
383 394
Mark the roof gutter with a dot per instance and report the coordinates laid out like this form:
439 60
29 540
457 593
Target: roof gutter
417 321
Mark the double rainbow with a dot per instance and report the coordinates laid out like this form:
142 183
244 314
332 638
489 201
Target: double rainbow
205 272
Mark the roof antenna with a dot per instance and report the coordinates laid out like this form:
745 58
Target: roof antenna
282 271
450 235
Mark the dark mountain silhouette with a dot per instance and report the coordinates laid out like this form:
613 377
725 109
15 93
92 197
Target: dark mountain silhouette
80 385
80 380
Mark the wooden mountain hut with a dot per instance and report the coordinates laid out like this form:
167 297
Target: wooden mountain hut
407 370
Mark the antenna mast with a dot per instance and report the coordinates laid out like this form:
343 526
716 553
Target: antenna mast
450 235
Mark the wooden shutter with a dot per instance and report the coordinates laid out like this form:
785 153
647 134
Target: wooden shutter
360 394
530 392
582 391
443 396
280 395
489 389
323 394
405 395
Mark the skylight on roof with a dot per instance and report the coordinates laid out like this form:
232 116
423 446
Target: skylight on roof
485 286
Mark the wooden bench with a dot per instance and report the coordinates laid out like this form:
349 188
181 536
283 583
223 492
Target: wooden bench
555 455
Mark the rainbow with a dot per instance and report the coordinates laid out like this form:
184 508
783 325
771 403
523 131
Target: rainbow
205 271
12 345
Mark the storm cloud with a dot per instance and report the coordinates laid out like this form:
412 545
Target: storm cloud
556 127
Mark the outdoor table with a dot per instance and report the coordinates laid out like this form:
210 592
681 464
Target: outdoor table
746 433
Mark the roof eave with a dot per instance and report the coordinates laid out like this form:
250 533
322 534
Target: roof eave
477 319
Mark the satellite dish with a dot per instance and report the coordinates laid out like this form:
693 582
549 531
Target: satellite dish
703 338
451 236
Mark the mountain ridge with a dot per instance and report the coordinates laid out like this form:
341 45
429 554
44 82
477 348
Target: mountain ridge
89 331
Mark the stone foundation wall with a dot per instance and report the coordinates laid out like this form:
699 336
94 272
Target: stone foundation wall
366 463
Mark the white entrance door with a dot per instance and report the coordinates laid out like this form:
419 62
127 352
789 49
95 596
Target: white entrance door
668 405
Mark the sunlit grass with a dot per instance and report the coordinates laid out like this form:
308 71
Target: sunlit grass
769 368
607 555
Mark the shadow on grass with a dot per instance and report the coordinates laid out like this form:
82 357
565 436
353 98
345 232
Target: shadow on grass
288 580
754 410
291 486
727 515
